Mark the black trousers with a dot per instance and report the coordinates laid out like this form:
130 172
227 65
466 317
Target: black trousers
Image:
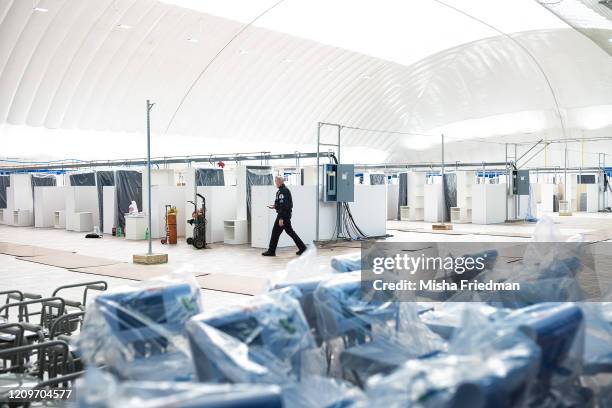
277 231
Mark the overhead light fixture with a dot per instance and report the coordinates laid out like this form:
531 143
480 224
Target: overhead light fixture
192 40
124 26
365 76
41 9
287 60
610 40
243 52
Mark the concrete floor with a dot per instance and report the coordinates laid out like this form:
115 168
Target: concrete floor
236 260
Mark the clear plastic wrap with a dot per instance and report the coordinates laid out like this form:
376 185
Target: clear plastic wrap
347 263
101 390
498 374
598 339
559 330
138 331
261 342
448 317
376 334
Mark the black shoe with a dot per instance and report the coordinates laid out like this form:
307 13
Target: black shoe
301 251
268 253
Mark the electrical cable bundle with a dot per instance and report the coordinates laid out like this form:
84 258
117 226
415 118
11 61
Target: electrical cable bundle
346 227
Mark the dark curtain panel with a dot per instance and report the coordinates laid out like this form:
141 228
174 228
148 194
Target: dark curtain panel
5 181
450 193
376 179
403 192
83 179
103 178
129 188
210 177
257 176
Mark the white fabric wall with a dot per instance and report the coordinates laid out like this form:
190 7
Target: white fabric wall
109 197
47 200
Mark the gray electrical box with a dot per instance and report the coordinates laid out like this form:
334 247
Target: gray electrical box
339 183
521 182
346 183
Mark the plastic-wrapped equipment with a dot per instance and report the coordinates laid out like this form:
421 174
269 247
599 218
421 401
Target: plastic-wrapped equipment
346 263
261 342
446 318
377 334
558 329
139 331
499 375
100 390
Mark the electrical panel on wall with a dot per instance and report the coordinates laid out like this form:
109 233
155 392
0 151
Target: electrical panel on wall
339 183
520 185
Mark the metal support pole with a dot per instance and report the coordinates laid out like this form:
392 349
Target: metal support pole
318 181
149 107
507 181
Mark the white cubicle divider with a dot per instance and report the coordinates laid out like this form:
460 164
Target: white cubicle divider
369 210
548 192
82 211
592 196
161 196
263 218
109 208
220 207
392 201
433 202
488 203
19 198
7 214
48 200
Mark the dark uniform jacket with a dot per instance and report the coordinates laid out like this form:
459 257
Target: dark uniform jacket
283 203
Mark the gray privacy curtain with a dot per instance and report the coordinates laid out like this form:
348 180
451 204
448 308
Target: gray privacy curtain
5 181
210 177
83 179
376 179
48 180
257 176
449 182
103 178
129 188
403 192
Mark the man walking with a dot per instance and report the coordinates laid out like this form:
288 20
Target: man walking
283 206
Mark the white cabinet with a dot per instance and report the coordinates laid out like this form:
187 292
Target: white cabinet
22 218
135 226
81 221
235 232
